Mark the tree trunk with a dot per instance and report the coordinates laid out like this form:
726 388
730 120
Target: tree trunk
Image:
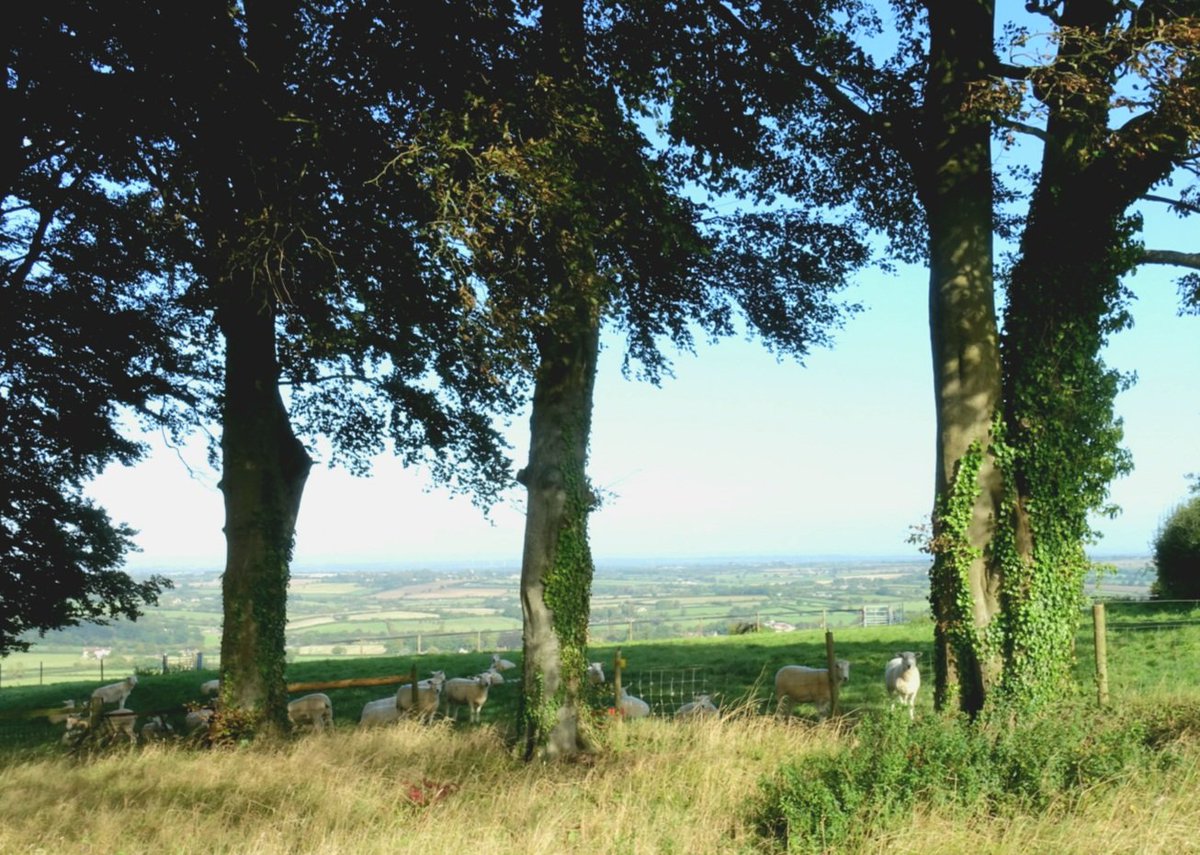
955 183
264 469
556 569
1064 299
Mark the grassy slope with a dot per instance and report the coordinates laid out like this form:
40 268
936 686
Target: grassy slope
656 786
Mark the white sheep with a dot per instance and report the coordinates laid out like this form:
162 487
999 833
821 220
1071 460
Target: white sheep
315 710
801 684
632 707
210 687
429 695
595 673
471 692
116 692
499 664
111 725
701 706
196 719
156 729
58 717
902 678
381 711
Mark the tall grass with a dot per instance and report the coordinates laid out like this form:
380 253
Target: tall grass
657 786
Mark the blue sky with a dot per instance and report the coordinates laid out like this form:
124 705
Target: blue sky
737 455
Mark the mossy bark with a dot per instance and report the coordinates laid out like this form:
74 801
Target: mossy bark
955 181
264 469
557 569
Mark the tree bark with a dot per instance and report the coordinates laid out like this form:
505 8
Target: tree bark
955 183
264 469
556 568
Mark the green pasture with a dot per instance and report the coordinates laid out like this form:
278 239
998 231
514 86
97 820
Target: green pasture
737 670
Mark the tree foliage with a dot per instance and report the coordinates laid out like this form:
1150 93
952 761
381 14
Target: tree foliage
1177 554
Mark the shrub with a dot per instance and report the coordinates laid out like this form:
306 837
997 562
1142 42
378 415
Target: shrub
839 801
1177 554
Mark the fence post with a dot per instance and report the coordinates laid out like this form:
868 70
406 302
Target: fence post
834 676
617 662
825 620
416 705
1098 628
419 651
478 641
40 673
101 669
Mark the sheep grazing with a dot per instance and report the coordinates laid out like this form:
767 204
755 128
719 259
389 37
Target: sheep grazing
156 729
315 710
381 711
800 684
700 707
209 688
429 695
595 673
499 664
470 692
116 692
903 678
632 707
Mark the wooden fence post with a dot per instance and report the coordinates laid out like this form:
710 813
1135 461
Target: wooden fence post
834 676
617 662
415 694
1099 630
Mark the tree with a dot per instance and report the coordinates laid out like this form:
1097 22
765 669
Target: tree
810 111
83 341
260 131
572 223
1177 554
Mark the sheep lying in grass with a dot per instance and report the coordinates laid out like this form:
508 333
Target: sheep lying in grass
471 692
196 719
595 673
429 695
68 707
156 729
315 710
209 688
801 684
111 725
499 664
902 678
698 708
116 693
632 707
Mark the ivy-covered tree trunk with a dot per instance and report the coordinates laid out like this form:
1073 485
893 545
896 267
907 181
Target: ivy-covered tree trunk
956 189
1062 438
264 469
556 568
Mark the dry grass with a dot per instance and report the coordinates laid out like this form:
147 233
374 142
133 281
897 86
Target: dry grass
656 787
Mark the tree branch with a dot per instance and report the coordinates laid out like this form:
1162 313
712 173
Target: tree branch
786 60
1178 204
1170 256
1021 127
